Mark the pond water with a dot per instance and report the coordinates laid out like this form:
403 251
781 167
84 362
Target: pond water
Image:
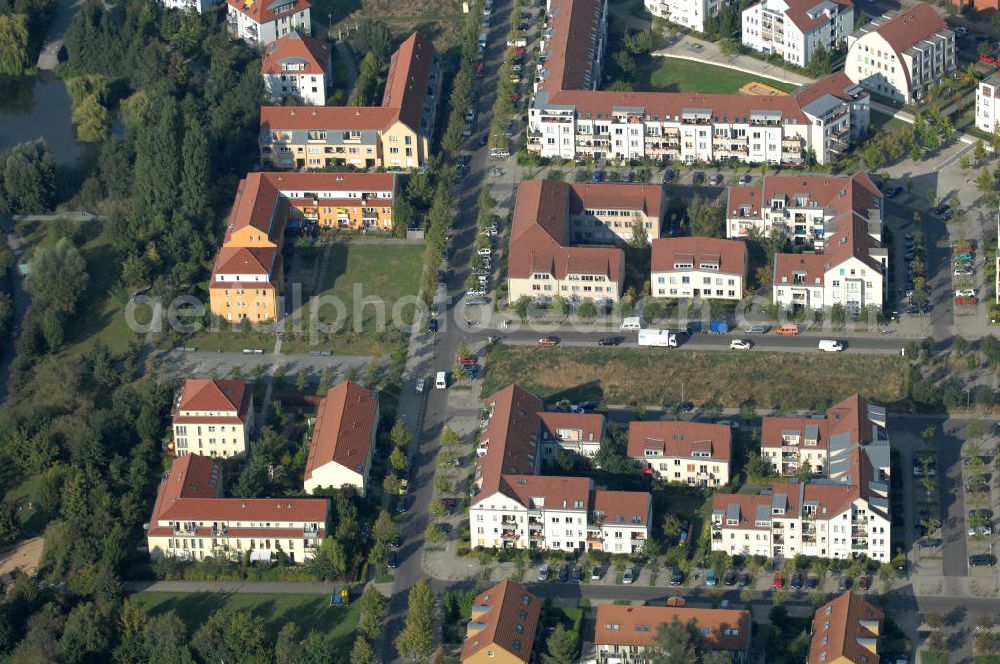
38 107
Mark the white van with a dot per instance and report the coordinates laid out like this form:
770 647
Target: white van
441 382
830 345
499 153
633 323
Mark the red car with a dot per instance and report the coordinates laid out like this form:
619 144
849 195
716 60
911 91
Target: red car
471 359
970 300
515 98
988 59
548 341
779 582
479 70
864 583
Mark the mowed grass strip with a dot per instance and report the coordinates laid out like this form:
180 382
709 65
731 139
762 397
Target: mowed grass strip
668 74
653 377
308 611
384 271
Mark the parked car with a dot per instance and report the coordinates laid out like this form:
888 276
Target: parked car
676 576
710 580
729 578
610 341
685 406
597 176
549 341
393 562
575 575
864 582
595 574
404 486
796 583
477 299
419 387
470 359
812 582
543 573
396 542
629 575
843 583
745 580
831 345
432 326
758 328
892 192
563 573
740 344
966 301
779 581
745 179
982 560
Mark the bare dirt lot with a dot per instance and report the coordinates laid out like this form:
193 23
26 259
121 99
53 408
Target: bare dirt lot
24 554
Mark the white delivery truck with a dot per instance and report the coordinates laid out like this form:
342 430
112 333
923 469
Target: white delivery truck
659 338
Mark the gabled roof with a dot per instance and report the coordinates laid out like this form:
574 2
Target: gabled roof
590 425
847 627
312 53
722 629
245 260
729 255
811 268
744 509
256 205
264 11
539 240
190 491
774 428
909 27
679 439
504 616
345 421
626 508
643 198
406 83
809 14
213 395
511 436
330 118
552 492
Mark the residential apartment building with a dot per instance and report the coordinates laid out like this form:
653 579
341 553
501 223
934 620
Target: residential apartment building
698 267
612 213
829 518
902 55
820 442
626 634
544 261
260 22
688 13
576 433
248 278
213 418
846 630
191 520
988 104
692 453
851 272
297 69
343 439
393 136
514 507
795 29
569 119
199 6
803 208
503 626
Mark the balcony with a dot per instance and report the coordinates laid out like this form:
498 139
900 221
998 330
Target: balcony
779 539
508 536
717 536
508 520
859 546
638 536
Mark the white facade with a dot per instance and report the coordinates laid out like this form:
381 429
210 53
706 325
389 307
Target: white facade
692 282
794 29
499 521
278 18
310 88
852 283
197 5
882 59
689 13
988 105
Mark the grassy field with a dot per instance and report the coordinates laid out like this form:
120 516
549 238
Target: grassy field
440 21
309 612
882 121
654 377
676 75
385 272
101 314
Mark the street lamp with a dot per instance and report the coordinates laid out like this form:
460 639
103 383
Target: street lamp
968 399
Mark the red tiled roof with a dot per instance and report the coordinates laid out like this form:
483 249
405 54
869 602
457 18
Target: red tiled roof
539 238
293 47
748 508
773 427
263 11
345 420
838 628
256 205
316 181
277 118
504 616
245 260
622 507
912 26
730 255
214 395
813 266
556 492
590 425
191 489
637 625
679 439
512 436
798 13
850 416
571 43
637 197
406 83
836 84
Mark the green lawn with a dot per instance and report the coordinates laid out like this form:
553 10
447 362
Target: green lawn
32 523
653 377
666 74
309 612
356 275
880 121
